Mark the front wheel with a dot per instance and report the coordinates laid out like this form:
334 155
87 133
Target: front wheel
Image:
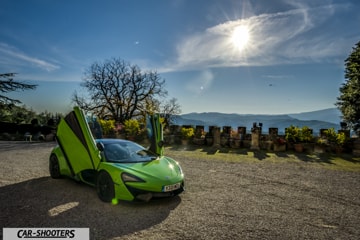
105 187
54 166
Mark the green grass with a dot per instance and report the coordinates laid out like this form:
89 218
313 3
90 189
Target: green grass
342 162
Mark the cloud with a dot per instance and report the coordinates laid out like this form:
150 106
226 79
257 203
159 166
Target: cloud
287 37
278 76
14 54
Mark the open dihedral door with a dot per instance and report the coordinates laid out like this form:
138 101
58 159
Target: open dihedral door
77 143
155 134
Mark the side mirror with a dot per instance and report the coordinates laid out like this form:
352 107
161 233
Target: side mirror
161 143
100 146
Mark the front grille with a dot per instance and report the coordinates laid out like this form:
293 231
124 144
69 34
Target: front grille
139 194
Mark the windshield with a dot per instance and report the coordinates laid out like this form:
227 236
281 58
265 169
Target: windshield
127 152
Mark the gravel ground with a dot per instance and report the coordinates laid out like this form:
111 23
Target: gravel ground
223 200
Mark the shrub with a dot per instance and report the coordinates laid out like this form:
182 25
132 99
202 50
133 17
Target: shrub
322 142
341 139
331 135
295 134
187 133
132 127
306 134
107 126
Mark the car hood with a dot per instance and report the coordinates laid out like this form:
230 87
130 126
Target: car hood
163 168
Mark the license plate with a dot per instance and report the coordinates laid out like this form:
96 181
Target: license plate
170 188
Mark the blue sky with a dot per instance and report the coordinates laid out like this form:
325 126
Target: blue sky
287 56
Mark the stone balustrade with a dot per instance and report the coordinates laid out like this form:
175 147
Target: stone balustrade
254 139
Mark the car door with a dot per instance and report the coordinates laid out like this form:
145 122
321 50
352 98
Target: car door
77 143
155 134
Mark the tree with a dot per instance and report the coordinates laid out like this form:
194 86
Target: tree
349 99
8 109
170 108
17 114
7 84
119 90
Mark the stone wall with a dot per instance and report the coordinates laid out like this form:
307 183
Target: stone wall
253 139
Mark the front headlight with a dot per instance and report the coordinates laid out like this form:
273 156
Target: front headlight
127 177
180 169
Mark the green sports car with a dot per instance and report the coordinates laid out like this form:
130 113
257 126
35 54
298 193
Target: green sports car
119 169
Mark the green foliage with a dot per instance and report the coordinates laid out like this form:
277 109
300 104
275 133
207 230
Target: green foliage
307 135
322 141
349 99
295 134
341 139
333 137
107 126
187 133
21 114
7 84
132 127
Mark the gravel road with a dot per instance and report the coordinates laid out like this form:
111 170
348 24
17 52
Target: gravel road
223 200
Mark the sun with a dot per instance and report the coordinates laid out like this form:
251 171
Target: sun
240 37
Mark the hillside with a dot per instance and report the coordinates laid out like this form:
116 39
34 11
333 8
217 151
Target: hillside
316 120
332 115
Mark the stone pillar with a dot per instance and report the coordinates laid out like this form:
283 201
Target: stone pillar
242 133
273 133
356 147
175 134
199 129
255 138
199 137
225 136
216 137
209 137
227 130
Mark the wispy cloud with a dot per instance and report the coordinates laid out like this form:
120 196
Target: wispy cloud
275 38
277 76
12 54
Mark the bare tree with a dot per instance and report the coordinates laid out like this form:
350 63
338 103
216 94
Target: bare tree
7 84
169 110
119 90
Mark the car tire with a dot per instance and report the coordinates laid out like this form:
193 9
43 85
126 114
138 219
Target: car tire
105 187
54 167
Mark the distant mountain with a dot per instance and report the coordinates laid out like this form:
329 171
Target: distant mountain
332 115
327 118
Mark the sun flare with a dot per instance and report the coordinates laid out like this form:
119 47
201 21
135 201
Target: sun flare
240 37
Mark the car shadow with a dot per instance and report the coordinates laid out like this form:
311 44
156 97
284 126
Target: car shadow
46 202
